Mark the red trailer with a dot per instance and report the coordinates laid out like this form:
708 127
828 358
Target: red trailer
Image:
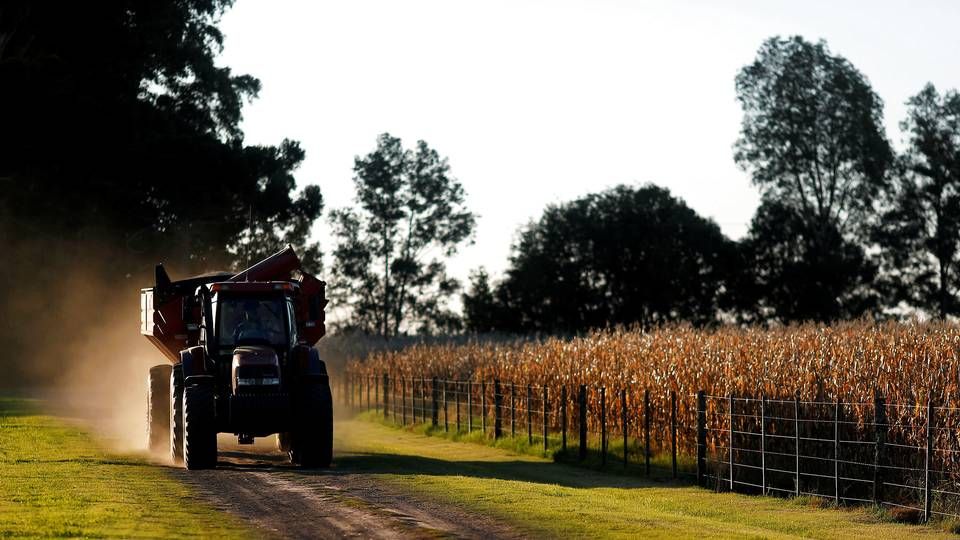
240 359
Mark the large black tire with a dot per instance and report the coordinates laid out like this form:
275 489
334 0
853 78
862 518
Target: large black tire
176 414
158 407
283 442
311 442
199 427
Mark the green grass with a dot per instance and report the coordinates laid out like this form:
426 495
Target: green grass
541 497
55 481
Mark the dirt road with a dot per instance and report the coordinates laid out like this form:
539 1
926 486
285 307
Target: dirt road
256 483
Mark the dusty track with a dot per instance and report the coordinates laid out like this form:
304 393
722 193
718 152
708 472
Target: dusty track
258 484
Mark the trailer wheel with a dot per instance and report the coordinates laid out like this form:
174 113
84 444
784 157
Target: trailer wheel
311 442
176 414
199 427
158 407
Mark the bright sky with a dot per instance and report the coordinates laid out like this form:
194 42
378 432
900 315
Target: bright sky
539 102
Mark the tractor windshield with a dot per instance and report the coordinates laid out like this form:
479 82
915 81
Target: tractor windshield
251 321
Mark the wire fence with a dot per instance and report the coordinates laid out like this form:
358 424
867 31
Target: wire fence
897 455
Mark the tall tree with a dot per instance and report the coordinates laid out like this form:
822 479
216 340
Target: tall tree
812 140
119 125
389 259
920 229
622 256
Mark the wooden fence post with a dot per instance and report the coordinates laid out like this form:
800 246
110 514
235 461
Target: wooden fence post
497 412
513 410
483 408
673 430
880 425
646 430
603 426
730 441
469 406
376 393
386 395
796 442
582 402
459 390
403 397
701 437
529 415
545 422
446 409
367 381
927 493
763 443
623 424
435 391
563 418
836 452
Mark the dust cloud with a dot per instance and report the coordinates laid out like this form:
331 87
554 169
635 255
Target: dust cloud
71 335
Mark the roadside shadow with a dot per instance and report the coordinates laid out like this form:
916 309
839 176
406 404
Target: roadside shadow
527 471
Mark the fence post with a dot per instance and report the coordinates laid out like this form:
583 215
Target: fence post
701 437
446 409
497 413
469 406
435 391
368 378
623 423
403 397
927 499
376 393
386 395
730 441
603 426
529 415
673 430
563 418
483 408
459 390
545 423
880 424
513 410
582 402
836 452
646 430
763 442
796 441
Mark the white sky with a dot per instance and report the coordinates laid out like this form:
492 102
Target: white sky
538 102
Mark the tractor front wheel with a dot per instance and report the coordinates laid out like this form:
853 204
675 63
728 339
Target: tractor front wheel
158 407
311 443
199 427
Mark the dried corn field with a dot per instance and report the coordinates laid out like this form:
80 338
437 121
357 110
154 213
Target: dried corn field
851 362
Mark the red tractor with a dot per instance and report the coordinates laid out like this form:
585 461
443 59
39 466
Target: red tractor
241 361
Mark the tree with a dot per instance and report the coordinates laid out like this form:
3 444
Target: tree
386 264
812 140
919 232
119 126
626 255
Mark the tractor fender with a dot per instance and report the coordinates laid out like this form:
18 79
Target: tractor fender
194 361
308 364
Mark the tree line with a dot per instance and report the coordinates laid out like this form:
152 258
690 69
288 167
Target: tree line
846 227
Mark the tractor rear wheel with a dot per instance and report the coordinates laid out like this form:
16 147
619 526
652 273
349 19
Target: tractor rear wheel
158 407
199 427
311 443
176 414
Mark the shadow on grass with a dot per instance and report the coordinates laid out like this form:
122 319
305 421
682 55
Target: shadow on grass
17 406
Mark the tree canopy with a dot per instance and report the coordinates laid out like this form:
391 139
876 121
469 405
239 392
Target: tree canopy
622 256
389 264
120 125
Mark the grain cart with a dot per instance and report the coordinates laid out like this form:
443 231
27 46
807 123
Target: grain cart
240 360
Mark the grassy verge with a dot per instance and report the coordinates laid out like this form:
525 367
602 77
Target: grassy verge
55 481
544 498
